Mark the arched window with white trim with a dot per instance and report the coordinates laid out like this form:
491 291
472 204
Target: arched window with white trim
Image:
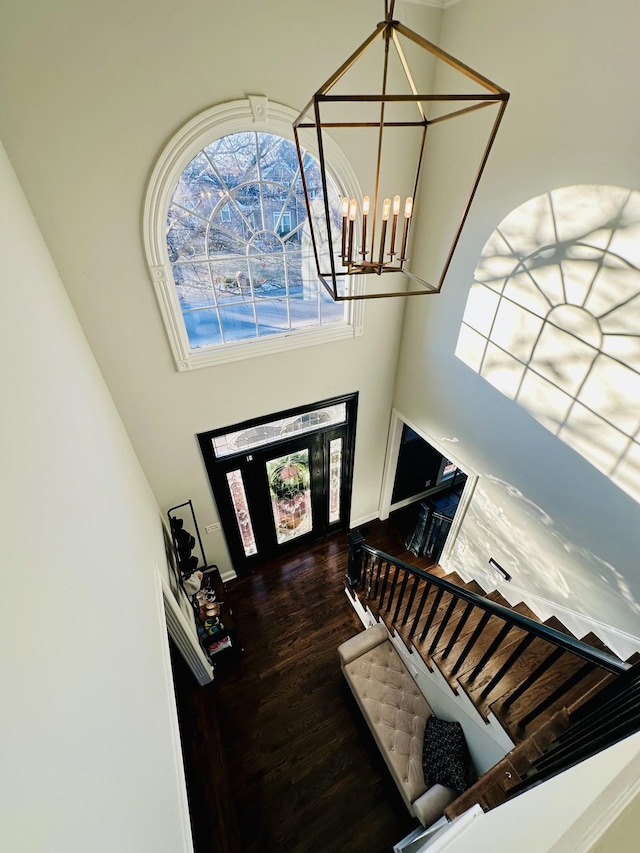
228 240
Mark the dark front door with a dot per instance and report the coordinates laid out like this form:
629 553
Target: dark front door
282 491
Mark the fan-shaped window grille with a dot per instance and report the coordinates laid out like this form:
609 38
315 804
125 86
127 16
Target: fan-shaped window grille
234 267
552 321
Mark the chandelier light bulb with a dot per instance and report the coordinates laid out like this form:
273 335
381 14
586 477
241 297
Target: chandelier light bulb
366 202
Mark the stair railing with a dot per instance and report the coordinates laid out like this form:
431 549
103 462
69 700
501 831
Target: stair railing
394 582
609 716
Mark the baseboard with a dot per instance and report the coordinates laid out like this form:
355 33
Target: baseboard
365 519
228 575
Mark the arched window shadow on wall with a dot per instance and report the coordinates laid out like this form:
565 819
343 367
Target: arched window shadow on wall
552 321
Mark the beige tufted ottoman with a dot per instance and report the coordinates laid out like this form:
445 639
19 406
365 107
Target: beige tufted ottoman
396 712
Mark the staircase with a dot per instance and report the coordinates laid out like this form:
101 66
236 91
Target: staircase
534 677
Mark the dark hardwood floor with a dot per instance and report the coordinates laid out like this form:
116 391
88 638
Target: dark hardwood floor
277 755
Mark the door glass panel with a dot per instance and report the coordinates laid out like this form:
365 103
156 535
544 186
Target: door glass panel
335 479
290 489
241 509
270 431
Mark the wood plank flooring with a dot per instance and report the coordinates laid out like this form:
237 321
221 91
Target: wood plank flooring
298 769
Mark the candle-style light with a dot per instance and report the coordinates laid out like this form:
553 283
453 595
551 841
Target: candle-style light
394 225
345 214
408 209
366 201
353 209
386 209
390 208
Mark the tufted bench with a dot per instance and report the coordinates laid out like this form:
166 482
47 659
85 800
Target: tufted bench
396 712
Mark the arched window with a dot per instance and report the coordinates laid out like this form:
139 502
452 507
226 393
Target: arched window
552 321
228 241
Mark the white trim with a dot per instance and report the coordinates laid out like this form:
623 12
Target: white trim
593 822
365 519
456 524
207 357
434 490
412 500
183 802
364 614
222 120
227 575
456 828
434 4
182 633
391 463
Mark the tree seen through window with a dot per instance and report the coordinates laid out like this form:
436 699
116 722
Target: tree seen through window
239 242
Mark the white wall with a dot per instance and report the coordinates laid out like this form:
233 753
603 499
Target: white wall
561 528
541 819
90 757
89 95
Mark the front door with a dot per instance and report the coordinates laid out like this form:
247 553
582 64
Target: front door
275 491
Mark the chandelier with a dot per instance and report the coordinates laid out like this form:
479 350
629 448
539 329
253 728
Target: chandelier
384 232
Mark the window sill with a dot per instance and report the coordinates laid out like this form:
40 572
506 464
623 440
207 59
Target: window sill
210 356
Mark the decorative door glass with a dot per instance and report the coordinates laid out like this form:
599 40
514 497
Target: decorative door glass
269 432
290 490
241 509
335 479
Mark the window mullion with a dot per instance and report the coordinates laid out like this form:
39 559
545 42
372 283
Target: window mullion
286 284
237 175
260 183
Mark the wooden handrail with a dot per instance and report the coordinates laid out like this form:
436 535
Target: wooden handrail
604 660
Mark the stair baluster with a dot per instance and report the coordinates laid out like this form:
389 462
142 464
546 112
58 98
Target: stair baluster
572 732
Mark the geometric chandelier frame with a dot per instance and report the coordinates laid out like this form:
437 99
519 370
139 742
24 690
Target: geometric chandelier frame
377 232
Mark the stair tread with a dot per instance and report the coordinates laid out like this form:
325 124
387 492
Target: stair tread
498 598
530 659
595 642
557 625
422 646
547 683
409 610
587 692
490 631
525 610
474 587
